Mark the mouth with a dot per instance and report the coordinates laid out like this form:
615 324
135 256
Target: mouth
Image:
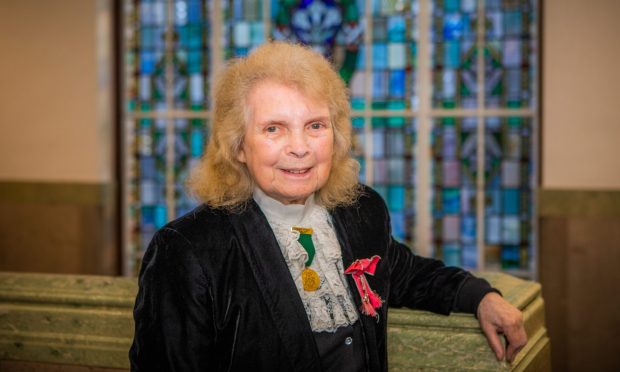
296 171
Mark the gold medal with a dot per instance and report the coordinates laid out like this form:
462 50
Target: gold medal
310 280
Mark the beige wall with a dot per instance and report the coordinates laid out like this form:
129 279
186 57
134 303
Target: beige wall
55 117
581 94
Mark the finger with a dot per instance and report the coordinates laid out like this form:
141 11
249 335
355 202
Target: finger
494 341
516 340
511 352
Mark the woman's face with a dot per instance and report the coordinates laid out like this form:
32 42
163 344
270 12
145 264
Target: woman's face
289 142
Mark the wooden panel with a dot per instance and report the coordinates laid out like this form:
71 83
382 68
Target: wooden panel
552 273
578 203
20 366
57 228
593 321
579 258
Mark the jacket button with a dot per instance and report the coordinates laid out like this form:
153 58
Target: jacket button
348 341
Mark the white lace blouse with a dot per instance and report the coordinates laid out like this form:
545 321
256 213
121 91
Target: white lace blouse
331 305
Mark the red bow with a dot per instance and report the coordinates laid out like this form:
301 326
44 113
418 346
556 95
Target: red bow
370 299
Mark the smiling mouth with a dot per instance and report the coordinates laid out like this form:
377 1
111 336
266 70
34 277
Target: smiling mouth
296 171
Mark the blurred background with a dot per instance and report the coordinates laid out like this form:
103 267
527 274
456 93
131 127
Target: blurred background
490 127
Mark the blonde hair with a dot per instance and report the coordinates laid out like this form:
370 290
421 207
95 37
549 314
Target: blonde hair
220 180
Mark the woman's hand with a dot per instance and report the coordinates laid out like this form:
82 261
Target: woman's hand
497 316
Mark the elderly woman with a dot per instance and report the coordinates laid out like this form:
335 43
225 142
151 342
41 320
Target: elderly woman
289 264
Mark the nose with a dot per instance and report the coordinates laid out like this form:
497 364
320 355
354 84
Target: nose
297 145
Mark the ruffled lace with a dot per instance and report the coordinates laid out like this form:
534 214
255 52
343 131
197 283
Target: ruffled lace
330 306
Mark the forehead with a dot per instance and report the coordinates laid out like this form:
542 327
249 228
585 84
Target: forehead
269 97
268 87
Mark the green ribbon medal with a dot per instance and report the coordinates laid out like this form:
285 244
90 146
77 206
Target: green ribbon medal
309 278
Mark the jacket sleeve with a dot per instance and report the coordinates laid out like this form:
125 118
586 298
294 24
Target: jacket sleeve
427 284
173 323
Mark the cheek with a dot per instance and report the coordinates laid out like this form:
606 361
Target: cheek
325 152
264 153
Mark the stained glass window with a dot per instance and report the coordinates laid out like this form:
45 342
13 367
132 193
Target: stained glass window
443 99
393 55
483 159
454 197
454 53
243 26
508 192
167 79
393 141
510 52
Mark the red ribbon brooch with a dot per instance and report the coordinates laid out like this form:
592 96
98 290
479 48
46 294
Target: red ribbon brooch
370 298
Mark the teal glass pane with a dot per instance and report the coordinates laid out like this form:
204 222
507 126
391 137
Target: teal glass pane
359 147
509 188
146 59
393 54
510 53
454 53
358 77
454 172
393 141
190 141
190 62
147 176
243 26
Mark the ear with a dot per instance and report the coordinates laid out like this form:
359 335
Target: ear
241 155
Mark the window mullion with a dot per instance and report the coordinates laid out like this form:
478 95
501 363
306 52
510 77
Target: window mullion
368 114
423 151
480 149
169 78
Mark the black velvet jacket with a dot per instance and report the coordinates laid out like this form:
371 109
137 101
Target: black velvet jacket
216 294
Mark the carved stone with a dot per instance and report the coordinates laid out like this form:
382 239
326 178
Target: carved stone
87 321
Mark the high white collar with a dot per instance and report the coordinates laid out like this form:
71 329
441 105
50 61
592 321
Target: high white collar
294 214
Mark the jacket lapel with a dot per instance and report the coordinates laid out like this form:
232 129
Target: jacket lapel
353 248
261 249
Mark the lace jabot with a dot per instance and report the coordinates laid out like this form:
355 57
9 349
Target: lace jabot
331 306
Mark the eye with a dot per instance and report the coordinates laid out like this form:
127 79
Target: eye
271 129
317 125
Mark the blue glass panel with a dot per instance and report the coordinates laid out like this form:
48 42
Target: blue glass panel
510 54
397 84
451 201
454 170
148 217
398 225
161 216
470 256
396 198
452 255
379 56
508 169
454 55
511 201
396 28
468 229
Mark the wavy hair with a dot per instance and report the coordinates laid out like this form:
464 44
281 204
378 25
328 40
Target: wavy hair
220 180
